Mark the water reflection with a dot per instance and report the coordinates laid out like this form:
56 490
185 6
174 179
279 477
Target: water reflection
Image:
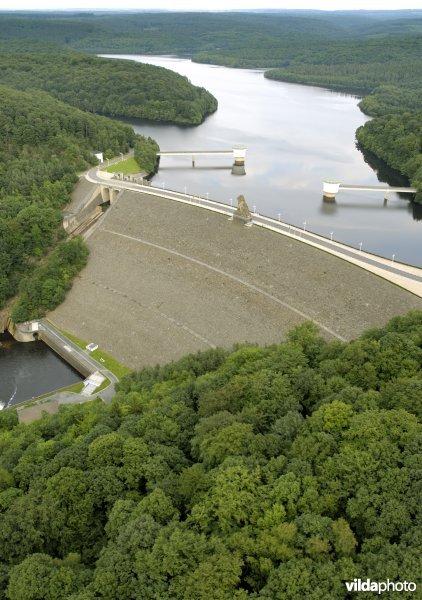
415 210
296 137
29 370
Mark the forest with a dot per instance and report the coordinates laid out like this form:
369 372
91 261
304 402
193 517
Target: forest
191 33
49 94
397 139
275 472
115 88
44 144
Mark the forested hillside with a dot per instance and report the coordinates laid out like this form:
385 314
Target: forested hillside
190 32
272 473
397 139
371 53
359 66
44 143
116 88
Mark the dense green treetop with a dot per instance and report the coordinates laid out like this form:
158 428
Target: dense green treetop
397 139
104 86
44 143
265 473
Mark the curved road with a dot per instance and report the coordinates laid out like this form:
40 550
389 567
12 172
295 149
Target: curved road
406 276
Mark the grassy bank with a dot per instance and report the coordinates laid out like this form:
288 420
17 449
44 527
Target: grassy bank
128 167
105 359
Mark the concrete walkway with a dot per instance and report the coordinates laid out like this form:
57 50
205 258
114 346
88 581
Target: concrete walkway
66 348
405 276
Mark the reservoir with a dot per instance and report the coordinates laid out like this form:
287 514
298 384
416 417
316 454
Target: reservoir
30 370
296 136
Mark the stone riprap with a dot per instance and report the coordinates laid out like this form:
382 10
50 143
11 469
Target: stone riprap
164 279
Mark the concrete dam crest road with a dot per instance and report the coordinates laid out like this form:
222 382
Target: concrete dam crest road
406 276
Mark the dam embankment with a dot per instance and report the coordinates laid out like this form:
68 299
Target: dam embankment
165 279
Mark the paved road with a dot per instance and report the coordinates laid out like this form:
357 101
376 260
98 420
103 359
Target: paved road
82 356
406 276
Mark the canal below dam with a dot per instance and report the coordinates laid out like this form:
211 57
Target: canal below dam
296 136
30 369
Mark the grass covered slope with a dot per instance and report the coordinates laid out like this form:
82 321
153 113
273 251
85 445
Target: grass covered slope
266 473
44 143
104 86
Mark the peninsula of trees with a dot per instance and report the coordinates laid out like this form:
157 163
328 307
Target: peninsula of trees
273 473
98 85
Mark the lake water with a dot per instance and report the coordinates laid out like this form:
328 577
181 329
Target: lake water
296 136
29 370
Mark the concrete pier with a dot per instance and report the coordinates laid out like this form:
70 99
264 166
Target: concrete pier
238 153
331 188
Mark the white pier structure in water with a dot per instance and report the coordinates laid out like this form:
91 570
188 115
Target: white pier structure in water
237 152
331 188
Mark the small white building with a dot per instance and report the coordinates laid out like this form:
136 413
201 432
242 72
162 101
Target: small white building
92 382
91 347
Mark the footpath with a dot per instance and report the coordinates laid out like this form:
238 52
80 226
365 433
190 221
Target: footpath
406 276
78 359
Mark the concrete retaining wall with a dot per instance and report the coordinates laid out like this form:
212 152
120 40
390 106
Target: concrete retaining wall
89 208
69 356
23 332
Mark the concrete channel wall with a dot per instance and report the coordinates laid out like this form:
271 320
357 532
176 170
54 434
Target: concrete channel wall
59 343
74 359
